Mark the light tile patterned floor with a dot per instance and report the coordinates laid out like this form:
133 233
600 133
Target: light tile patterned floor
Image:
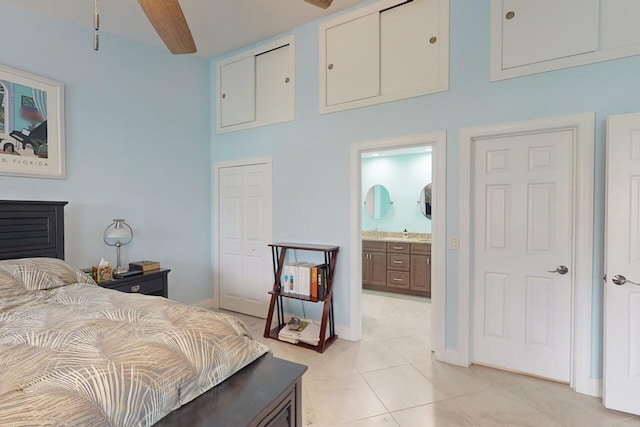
390 378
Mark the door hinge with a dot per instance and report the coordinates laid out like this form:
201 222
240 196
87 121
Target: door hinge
604 278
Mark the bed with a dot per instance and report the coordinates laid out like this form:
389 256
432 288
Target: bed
73 353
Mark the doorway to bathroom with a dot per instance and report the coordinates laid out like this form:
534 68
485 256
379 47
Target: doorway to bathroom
398 243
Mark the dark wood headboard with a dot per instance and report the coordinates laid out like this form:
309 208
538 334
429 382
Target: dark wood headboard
31 229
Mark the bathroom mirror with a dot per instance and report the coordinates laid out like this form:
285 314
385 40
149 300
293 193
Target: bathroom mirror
378 201
425 201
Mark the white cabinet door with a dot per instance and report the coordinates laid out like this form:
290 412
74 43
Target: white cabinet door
410 46
353 60
238 91
542 30
274 85
622 302
619 24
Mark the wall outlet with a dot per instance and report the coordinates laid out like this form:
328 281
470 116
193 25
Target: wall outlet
453 243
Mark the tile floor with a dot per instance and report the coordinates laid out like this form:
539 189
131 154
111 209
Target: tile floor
390 378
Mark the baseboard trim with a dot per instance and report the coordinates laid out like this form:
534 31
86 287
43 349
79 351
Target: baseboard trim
453 357
207 303
595 387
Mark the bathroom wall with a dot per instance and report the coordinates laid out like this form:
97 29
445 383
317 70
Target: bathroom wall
404 176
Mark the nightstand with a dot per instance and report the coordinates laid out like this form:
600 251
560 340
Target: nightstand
153 282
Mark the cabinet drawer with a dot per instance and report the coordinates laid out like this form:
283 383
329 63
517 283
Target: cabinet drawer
371 246
398 279
146 287
283 415
420 248
398 262
397 247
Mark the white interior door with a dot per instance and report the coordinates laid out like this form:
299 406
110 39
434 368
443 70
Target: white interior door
622 301
244 210
522 230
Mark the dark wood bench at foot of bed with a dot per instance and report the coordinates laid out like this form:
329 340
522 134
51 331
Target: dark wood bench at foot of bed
268 392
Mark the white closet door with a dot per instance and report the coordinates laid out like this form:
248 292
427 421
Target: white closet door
541 30
523 229
409 46
274 85
238 92
622 301
244 232
353 60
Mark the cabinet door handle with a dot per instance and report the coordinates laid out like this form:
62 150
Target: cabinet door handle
330 66
428 260
433 40
510 15
135 288
398 247
396 279
397 262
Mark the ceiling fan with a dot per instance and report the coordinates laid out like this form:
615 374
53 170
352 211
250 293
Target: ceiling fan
167 18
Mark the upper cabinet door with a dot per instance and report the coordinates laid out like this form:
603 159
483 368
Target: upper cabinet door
353 60
256 87
542 30
237 84
620 29
274 85
385 51
410 46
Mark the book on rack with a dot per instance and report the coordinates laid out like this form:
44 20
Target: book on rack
144 265
305 279
310 334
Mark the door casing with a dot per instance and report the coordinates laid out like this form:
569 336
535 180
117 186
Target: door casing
438 140
582 125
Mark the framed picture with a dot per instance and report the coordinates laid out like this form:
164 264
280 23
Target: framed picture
31 125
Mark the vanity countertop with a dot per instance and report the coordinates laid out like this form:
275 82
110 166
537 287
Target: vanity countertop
395 236
397 240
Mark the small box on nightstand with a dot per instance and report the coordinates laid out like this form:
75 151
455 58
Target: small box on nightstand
102 273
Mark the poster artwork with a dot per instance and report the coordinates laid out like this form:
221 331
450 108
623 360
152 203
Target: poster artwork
31 137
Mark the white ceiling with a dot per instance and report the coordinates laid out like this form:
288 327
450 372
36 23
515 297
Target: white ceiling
218 26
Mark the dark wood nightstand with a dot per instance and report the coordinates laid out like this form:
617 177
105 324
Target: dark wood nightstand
153 282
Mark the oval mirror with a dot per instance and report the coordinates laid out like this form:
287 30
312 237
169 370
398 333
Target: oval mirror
425 201
378 201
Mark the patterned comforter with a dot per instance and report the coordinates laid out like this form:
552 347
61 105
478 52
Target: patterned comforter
72 353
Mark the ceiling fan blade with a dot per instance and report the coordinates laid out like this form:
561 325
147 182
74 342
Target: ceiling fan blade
320 3
167 18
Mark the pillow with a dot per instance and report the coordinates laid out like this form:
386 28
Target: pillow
41 273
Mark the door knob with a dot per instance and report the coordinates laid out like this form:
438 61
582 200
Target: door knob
620 280
561 269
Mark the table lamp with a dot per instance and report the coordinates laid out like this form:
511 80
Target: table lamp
118 234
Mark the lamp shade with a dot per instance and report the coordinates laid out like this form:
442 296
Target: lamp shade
118 233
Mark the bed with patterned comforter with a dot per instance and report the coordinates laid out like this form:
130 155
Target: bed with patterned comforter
72 353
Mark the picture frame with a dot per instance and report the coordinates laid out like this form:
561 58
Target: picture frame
32 139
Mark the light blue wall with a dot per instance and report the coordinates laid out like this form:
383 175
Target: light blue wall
311 154
137 140
404 176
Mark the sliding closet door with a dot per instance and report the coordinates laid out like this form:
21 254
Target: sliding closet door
244 215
